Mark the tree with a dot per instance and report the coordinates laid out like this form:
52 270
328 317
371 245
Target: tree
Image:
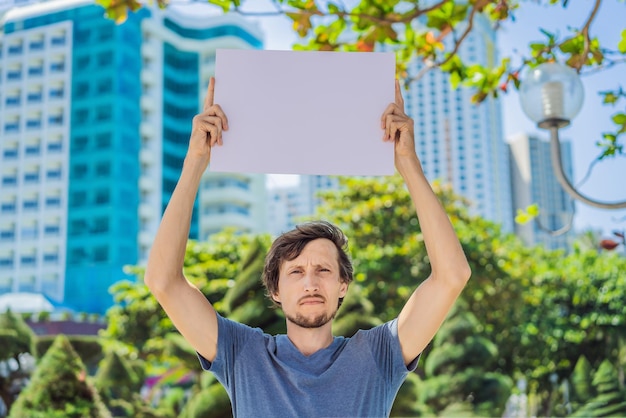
116 381
88 348
59 388
18 342
433 32
459 370
611 396
139 327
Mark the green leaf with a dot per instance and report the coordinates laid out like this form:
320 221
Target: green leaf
621 46
533 210
610 98
619 118
224 4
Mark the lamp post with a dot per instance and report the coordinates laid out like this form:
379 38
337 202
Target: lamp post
551 95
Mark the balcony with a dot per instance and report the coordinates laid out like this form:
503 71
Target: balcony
8 207
35 71
10 154
28 260
220 221
54 174
146 184
12 127
146 157
226 194
146 211
9 181
29 233
7 235
14 75
30 205
33 124
57 67
51 230
53 202
33 151
31 177
36 45
55 120
58 40
34 97
55 147
15 49
51 258
6 263
56 93
13 101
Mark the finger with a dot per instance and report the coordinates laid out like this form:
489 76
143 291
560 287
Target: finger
210 93
399 98
389 119
216 110
211 125
388 111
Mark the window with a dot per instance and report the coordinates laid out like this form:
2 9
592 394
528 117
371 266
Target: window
105 86
78 199
100 254
78 227
103 113
103 169
82 89
102 196
79 171
103 141
100 225
105 58
80 143
81 116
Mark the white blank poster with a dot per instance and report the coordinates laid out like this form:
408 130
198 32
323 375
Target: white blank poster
304 112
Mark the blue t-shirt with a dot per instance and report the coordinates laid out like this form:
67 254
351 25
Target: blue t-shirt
267 376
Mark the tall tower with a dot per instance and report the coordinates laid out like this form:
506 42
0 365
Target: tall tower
94 124
459 142
533 182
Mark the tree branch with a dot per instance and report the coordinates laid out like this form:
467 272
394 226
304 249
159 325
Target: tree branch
585 33
429 65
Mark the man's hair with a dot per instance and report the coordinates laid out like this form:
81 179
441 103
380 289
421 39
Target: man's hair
290 244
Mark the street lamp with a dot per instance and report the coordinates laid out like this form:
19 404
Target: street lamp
552 95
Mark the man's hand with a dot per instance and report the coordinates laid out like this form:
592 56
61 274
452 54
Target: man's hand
399 129
207 127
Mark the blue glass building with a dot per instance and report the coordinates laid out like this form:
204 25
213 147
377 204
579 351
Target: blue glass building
95 121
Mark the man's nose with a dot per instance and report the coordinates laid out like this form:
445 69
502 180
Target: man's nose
311 282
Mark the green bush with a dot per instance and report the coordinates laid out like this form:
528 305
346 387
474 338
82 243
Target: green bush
87 347
59 387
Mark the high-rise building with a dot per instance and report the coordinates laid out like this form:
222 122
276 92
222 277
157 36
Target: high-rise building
533 182
288 206
94 123
459 142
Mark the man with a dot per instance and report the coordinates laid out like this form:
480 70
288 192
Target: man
307 372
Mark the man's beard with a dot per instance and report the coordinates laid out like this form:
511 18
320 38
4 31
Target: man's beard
307 322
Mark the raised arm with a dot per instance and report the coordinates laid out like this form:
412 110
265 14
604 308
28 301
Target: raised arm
430 303
187 307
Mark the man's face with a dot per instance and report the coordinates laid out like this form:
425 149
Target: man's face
309 286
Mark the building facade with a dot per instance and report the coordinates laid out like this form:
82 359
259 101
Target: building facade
533 182
461 143
94 121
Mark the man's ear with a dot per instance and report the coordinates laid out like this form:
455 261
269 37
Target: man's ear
343 289
276 297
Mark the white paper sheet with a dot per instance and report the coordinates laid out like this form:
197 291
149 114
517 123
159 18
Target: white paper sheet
304 112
